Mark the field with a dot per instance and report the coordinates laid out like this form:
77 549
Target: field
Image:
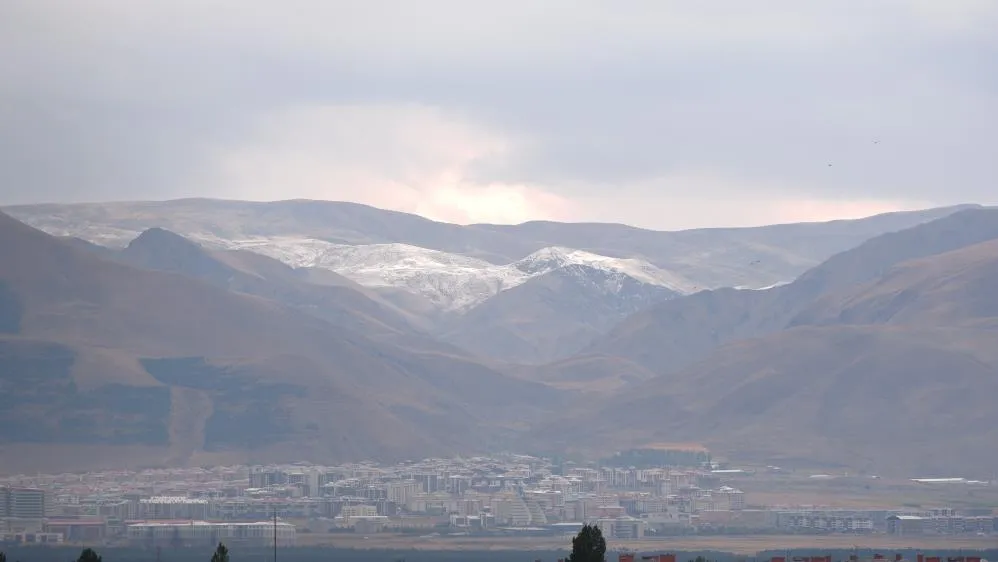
744 545
858 492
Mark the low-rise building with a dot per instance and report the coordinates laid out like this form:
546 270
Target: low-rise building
79 530
622 527
207 533
175 507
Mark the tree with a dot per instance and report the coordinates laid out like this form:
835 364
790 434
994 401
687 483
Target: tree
221 554
3 557
88 555
589 545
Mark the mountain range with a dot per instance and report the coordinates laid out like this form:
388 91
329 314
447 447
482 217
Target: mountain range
202 331
448 275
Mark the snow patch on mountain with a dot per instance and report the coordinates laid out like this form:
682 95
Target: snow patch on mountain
452 281
766 288
550 259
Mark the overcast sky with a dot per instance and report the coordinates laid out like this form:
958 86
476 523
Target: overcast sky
655 113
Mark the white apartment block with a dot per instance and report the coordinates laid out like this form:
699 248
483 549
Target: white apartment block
358 510
400 491
174 507
203 532
510 509
622 528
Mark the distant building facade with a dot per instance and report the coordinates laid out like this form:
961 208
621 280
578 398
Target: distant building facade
206 533
23 503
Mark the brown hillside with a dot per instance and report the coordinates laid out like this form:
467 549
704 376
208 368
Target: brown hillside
264 381
335 300
908 392
675 334
878 399
955 289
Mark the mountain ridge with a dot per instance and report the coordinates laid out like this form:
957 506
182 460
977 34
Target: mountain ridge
686 329
750 256
433 274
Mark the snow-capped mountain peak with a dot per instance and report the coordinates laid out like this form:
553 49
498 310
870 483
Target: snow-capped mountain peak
453 282
556 257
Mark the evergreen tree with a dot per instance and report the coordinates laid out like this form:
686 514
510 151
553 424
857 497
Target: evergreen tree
88 555
588 546
221 554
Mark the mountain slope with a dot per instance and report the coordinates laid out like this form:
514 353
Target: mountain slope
894 376
455 283
674 334
234 377
545 306
954 289
434 275
254 274
708 258
725 257
885 400
552 315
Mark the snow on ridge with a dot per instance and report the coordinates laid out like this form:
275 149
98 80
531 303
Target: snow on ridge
452 281
766 288
555 257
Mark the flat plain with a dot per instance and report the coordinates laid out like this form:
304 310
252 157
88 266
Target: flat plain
743 545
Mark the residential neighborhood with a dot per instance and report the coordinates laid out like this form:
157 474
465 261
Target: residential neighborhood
506 495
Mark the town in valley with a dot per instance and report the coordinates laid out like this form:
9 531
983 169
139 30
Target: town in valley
508 498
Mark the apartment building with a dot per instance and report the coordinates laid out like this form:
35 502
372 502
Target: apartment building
510 509
23 503
400 491
359 510
175 507
727 498
941 525
204 533
825 521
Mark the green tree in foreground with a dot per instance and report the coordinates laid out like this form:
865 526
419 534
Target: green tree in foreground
88 555
589 545
221 554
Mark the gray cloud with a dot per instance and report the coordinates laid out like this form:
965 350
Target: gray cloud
661 113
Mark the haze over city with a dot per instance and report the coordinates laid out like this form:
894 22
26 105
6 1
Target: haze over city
552 281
